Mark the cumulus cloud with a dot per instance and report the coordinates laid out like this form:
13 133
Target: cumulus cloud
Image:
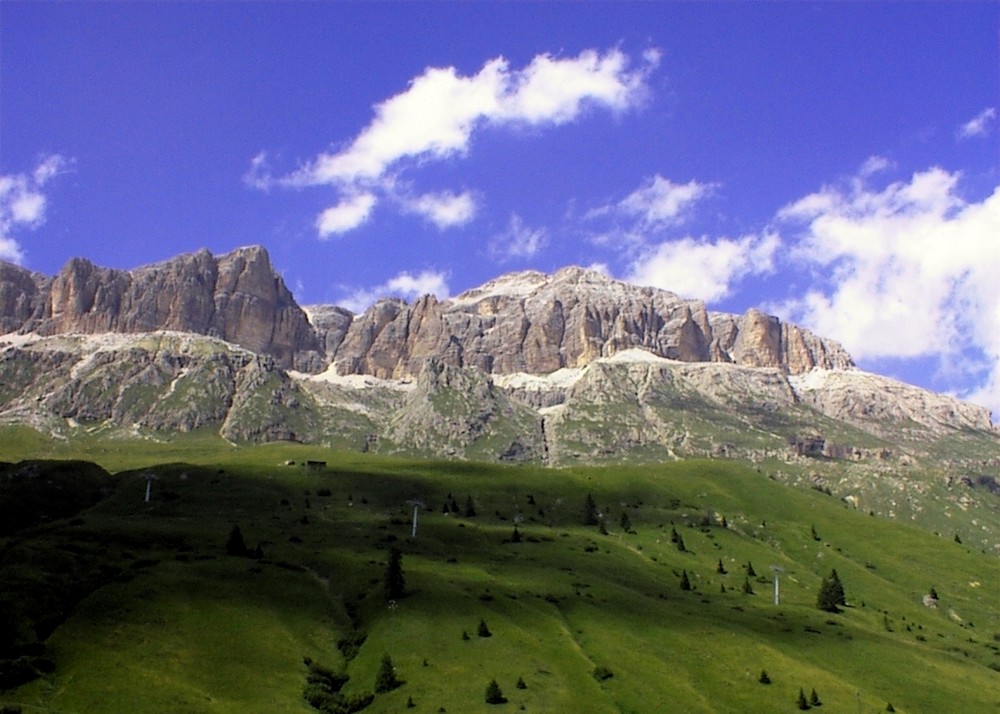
22 203
347 215
979 125
658 202
905 271
404 285
444 209
703 268
518 240
436 117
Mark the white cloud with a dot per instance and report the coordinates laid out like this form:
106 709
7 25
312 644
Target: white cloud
518 241
656 205
874 165
22 203
444 209
350 213
907 271
662 202
404 285
704 269
436 116
979 125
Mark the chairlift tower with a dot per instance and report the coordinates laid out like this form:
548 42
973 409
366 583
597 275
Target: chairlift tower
150 477
417 505
777 570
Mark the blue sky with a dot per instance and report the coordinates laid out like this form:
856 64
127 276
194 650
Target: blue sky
834 163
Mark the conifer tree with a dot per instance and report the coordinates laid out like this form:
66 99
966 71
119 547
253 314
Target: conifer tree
483 630
802 703
515 537
470 508
386 679
764 679
751 573
814 699
494 695
831 593
589 511
395 581
680 544
747 589
720 568
625 523
685 582
236 545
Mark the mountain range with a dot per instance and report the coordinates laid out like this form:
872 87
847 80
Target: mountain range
523 362
562 369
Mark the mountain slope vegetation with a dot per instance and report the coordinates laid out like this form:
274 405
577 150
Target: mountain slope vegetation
130 605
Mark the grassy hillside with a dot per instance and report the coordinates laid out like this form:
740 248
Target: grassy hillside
135 606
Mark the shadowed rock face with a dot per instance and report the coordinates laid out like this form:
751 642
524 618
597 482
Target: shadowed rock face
530 322
236 297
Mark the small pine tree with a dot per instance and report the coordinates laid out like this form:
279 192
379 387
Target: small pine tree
589 511
236 545
764 679
685 582
483 630
814 699
601 528
465 635
386 679
831 593
722 588
494 695
395 581
815 535
680 544
520 683
470 507
720 568
802 703
957 539
725 524
747 589
933 594
889 707
674 535
625 523
515 537
410 704
751 573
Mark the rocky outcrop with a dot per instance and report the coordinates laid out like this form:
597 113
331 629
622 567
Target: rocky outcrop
526 322
533 323
236 297
21 296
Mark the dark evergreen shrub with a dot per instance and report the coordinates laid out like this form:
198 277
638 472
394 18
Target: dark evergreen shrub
602 673
395 581
386 679
236 545
494 695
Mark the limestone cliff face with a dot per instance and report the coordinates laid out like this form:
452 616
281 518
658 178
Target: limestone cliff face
533 323
236 297
21 296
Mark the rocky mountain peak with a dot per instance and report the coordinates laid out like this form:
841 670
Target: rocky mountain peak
236 297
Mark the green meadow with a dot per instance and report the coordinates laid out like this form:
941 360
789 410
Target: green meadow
125 605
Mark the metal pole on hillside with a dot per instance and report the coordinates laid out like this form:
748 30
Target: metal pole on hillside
777 571
149 485
417 505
